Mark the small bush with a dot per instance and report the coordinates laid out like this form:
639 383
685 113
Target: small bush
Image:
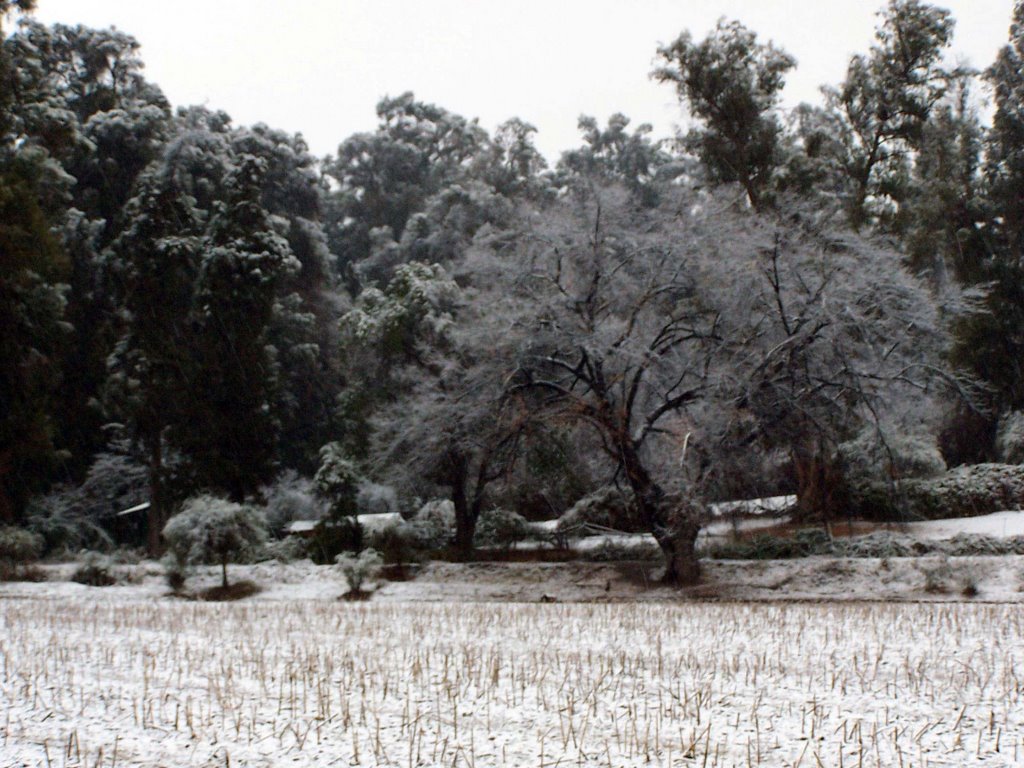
500 528
291 497
397 544
286 550
876 458
94 570
216 531
433 525
356 569
968 491
937 575
175 572
18 548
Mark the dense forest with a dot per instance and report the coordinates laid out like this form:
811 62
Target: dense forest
808 301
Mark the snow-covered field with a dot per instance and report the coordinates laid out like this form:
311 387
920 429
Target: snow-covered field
111 680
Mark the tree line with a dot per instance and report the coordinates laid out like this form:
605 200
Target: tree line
433 307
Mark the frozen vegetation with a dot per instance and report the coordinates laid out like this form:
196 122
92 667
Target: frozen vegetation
311 683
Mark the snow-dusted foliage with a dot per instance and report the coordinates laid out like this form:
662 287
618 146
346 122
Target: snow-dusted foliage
1010 438
356 569
214 531
71 518
291 497
434 523
18 547
94 569
893 454
608 507
338 480
500 528
965 491
376 499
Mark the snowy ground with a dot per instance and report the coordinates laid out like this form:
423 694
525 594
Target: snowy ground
812 662
113 680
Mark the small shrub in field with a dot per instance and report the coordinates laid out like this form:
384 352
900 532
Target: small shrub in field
18 548
937 574
175 572
356 569
212 530
500 528
94 570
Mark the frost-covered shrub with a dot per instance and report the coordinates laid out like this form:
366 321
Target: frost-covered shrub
1010 438
212 530
433 525
356 569
291 497
94 570
376 499
176 571
338 480
72 518
18 548
500 528
63 523
967 491
286 550
870 458
937 575
607 507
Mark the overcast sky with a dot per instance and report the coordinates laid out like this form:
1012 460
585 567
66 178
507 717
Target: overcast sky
319 66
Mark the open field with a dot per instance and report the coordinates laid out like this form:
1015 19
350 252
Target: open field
113 681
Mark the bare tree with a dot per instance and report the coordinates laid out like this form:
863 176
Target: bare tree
702 324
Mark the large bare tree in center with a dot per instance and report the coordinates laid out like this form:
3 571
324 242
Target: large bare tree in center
706 325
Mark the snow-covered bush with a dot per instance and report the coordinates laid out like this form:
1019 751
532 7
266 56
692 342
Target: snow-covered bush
607 507
94 570
434 524
291 497
286 550
72 518
63 524
1010 438
212 530
500 528
356 569
966 491
18 548
874 458
333 536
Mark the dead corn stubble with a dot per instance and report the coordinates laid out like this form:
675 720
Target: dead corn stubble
137 684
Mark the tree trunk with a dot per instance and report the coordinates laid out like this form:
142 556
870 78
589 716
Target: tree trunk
682 566
224 572
156 515
673 523
465 517
817 479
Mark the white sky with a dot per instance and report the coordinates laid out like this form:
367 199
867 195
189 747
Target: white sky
319 66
